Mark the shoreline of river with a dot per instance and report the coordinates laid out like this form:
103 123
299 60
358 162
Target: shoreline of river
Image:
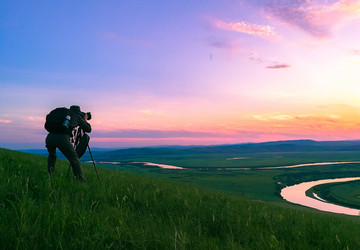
297 194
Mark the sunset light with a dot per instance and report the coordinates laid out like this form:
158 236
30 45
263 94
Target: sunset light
220 72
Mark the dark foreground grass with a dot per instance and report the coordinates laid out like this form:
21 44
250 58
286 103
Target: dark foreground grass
132 212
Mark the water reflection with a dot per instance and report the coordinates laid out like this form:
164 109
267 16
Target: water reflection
145 163
296 194
313 164
237 158
161 165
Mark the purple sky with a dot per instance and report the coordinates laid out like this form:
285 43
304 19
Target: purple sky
181 72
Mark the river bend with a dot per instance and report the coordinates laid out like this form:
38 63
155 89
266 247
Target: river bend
297 194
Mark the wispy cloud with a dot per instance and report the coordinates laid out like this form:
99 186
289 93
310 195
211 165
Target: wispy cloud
270 64
317 19
278 66
273 116
223 43
138 133
308 118
151 112
108 35
35 118
355 52
263 31
5 121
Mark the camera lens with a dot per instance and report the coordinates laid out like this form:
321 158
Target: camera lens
88 115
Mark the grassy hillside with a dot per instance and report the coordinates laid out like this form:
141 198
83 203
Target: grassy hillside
131 212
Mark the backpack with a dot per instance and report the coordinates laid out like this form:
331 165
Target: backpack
56 121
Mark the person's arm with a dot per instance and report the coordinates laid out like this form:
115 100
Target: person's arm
77 120
84 125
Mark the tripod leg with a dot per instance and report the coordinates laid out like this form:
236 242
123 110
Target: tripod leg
94 163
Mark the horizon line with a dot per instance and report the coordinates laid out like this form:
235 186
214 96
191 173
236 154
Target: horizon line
179 145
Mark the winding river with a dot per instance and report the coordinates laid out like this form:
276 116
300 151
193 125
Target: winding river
313 164
296 194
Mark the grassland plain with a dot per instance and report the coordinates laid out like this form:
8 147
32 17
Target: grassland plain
218 173
230 160
128 211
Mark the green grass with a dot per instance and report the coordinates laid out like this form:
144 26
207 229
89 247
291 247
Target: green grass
251 184
203 170
258 185
128 211
249 160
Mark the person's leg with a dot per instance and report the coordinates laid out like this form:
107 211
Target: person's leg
68 150
50 145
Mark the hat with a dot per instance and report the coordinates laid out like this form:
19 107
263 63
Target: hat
75 108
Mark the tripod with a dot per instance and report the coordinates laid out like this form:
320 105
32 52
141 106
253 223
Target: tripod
78 134
93 163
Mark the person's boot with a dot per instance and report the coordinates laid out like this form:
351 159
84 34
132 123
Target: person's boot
78 173
81 178
51 167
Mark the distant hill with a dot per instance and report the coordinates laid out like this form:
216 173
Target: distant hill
275 146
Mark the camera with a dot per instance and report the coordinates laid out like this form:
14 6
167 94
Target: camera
88 114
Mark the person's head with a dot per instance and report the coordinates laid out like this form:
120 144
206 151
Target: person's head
75 109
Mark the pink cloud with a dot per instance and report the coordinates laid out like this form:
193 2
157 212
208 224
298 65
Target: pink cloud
263 31
278 66
319 20
355 52
5 121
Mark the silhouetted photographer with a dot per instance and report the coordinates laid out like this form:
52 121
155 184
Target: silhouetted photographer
67 126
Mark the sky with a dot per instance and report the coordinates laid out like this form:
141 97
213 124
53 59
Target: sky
181 72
